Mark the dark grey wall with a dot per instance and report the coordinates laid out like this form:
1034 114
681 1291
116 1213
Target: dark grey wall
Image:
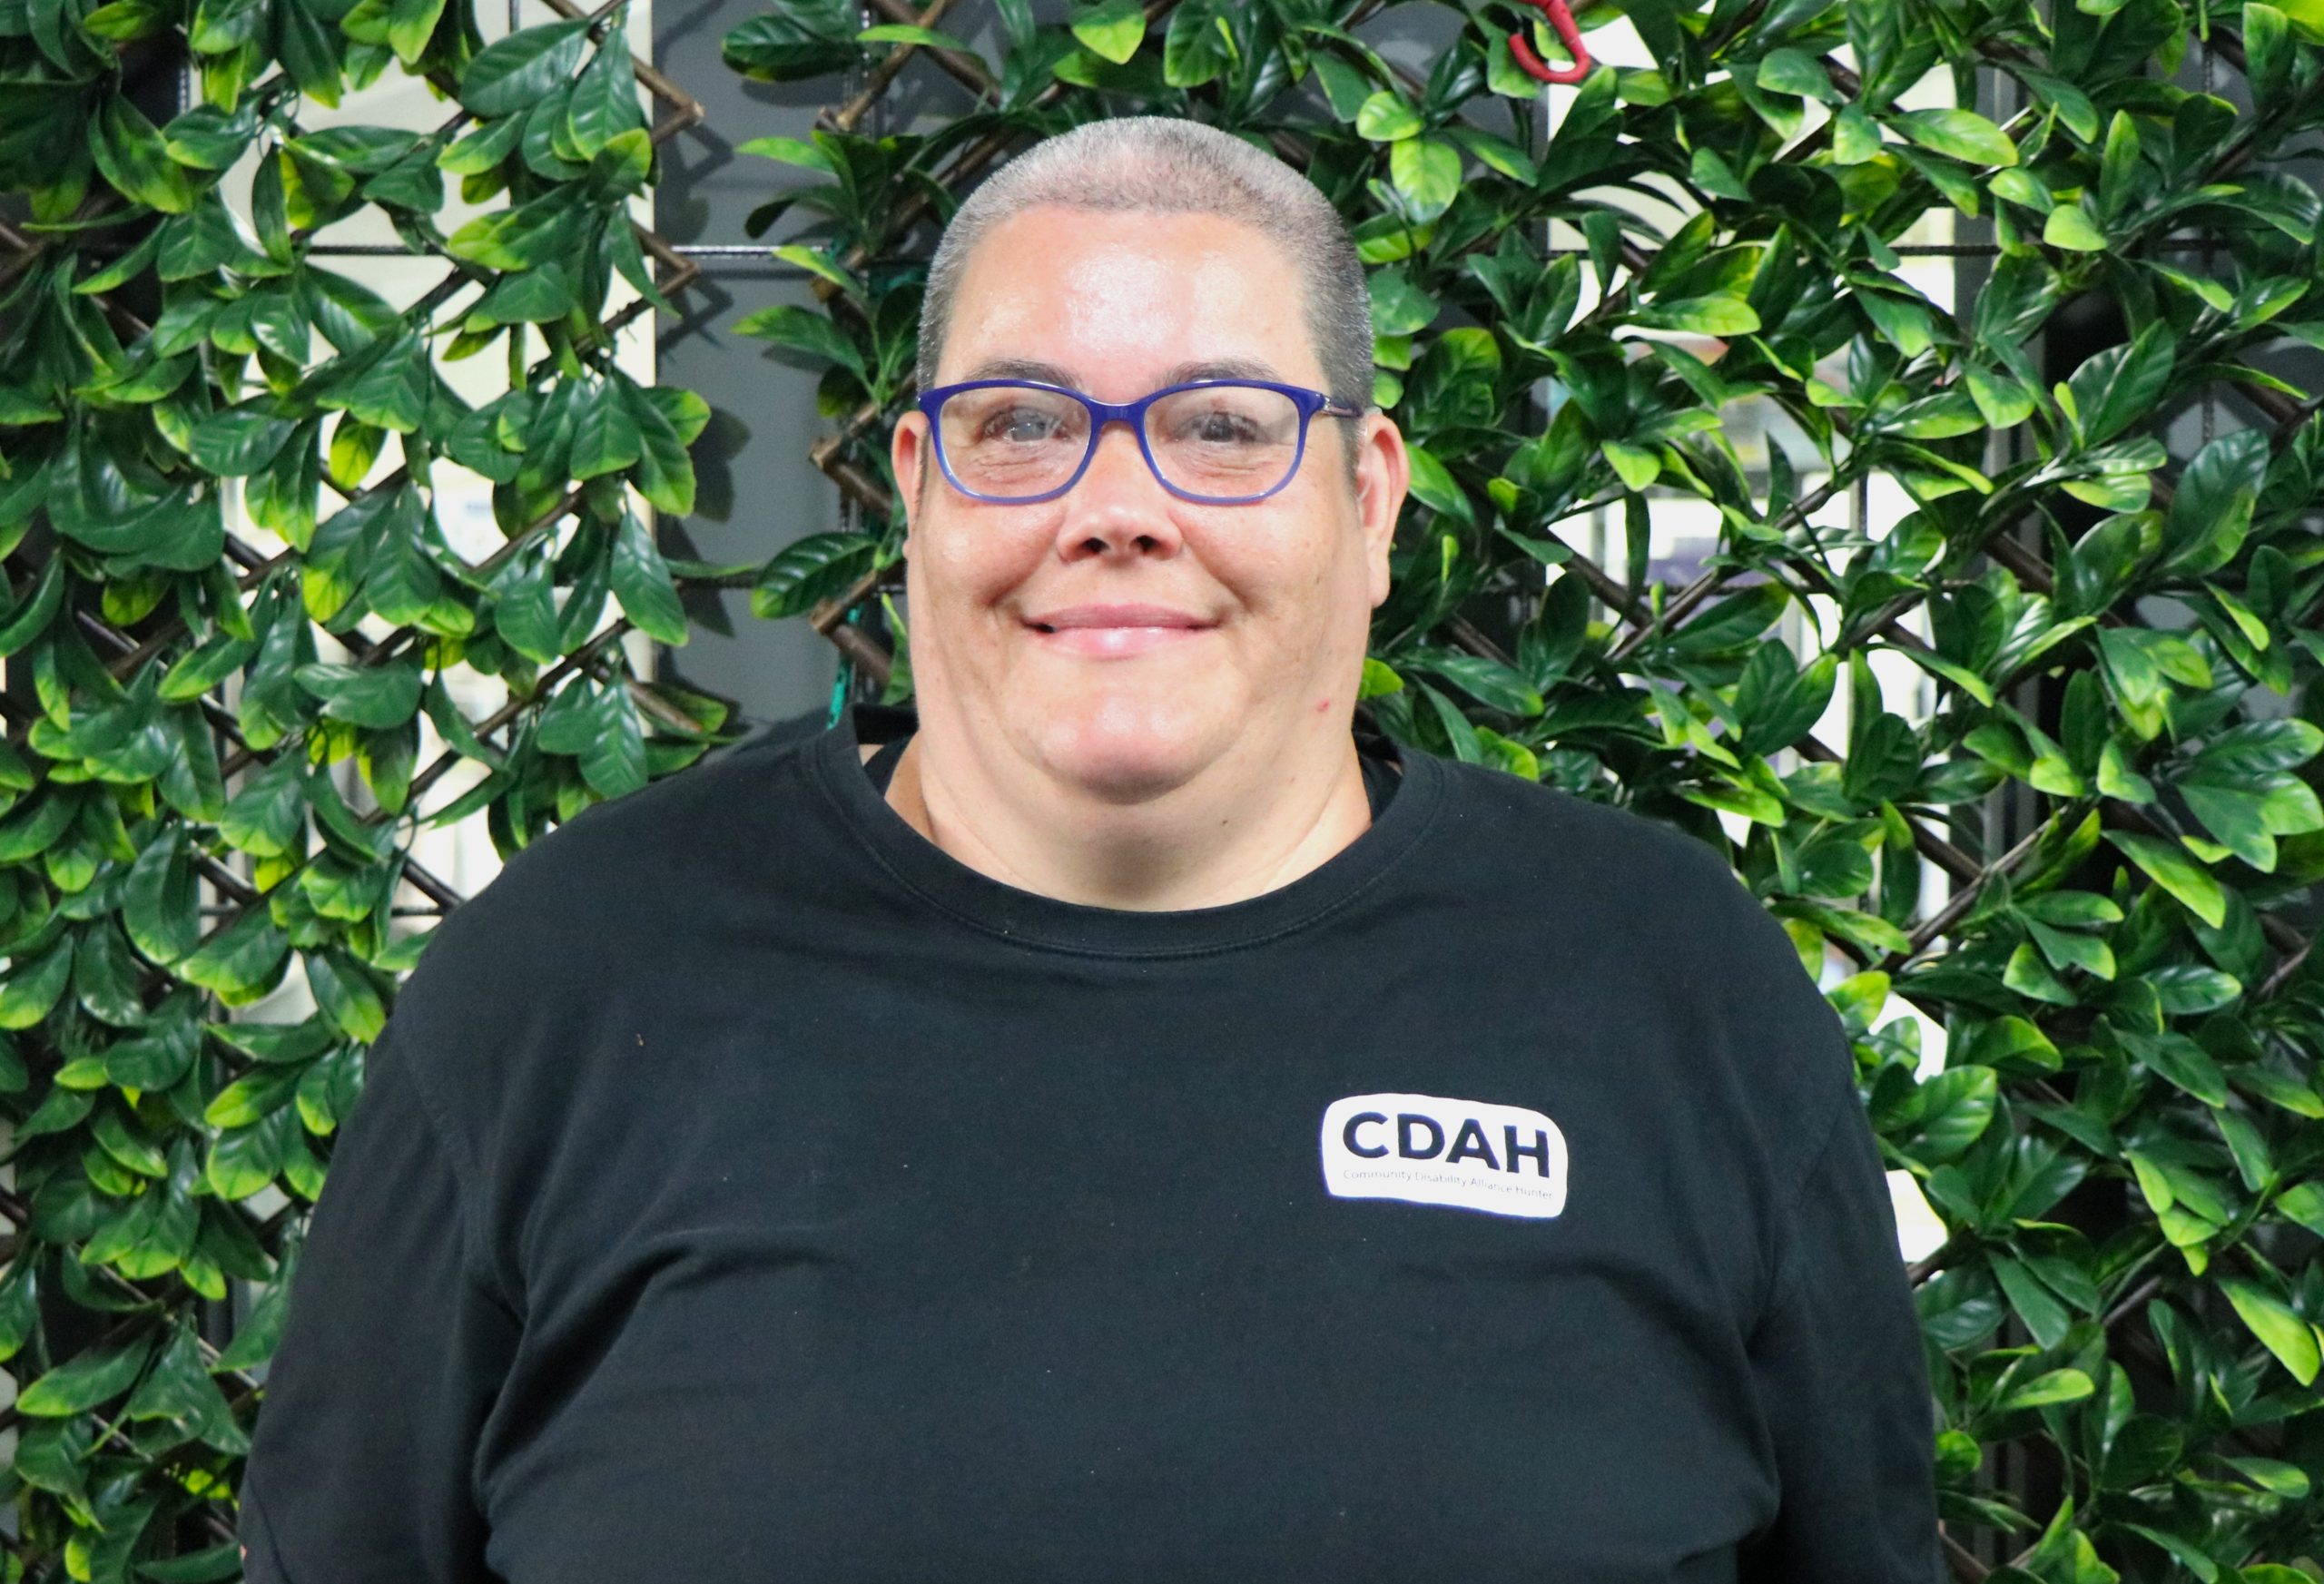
757 491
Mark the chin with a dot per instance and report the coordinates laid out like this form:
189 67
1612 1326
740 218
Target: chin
1128 749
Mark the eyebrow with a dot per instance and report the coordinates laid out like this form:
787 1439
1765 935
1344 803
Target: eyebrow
1184 373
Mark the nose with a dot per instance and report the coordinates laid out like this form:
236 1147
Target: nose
1117 506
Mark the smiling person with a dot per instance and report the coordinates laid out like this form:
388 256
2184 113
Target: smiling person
1113 1120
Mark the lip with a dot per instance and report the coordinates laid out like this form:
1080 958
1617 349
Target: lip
1117 616
1110 630
1109 642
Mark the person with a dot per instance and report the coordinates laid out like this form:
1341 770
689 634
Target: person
1113 1118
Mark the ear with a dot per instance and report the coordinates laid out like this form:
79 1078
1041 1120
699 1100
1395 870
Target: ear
908 458
1384 471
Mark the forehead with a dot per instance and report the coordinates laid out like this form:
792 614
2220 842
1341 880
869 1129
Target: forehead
1120 300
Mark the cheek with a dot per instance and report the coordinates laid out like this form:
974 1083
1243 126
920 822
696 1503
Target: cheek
1297 574
973 565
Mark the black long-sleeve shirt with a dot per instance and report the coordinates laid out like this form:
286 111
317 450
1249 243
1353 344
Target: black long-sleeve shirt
746 1189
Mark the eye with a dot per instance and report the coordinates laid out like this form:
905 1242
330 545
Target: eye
1222 429
1022 426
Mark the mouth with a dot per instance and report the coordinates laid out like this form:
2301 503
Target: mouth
1115 640
1122 627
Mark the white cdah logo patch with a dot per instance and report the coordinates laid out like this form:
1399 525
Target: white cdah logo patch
1432 1150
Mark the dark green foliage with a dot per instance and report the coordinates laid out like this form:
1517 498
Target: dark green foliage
213 770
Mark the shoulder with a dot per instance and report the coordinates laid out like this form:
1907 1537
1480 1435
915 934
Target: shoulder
634 849
581 908
1603 855
1642 910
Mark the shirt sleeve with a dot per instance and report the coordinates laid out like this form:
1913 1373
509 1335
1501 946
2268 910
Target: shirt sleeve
390 1355
1842 1382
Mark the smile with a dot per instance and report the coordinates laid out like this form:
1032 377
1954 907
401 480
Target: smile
1110 642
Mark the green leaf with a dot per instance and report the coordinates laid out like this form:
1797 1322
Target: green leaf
1960 134
2069 226
2044 1316
906 32
2169 867
1399 307
129 152
640 582
1426 170
791 151
512 72
521 238
365 695
1496 153
1856 137
32 614
405 26
35 984
2292 1339
604 435
622 166
390 387
803 330
1387 117
809 571
254 1096
241 962
87 1380
806 38
1434 487
1797 72
484 147
2180 1061
2049 1390
817 261
605 103
1956 1107
665 473
539 295
2001 402
1488 681
2020 187
1111 30
613 762
2210 509
159 903
2119 386
1345 87
1466 745
1705 316
2304 1204
237 441
1634 465
525 612
2268 49
346 995
2287 1480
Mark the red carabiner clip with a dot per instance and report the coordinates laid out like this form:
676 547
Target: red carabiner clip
1534 66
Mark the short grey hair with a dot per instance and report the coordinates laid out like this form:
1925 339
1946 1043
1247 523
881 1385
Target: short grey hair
1165 165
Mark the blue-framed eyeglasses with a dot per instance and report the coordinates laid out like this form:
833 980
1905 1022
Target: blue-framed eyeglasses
1219 442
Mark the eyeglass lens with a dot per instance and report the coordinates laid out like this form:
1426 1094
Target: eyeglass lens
1220 440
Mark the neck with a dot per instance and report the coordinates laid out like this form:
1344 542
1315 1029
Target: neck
1234 832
